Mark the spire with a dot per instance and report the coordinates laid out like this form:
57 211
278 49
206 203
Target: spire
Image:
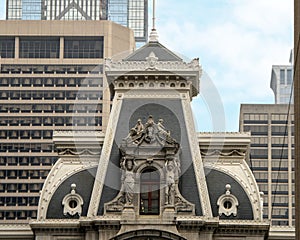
153 35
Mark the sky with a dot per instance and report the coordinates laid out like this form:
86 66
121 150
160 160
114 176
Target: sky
237 42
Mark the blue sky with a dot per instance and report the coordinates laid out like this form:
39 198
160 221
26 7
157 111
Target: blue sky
237 42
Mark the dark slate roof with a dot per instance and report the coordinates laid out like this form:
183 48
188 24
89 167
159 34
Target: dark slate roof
84 181
160 51
216 182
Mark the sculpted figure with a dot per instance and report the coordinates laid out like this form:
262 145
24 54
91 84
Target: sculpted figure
127 180
137 131
150 130
163 134
170 183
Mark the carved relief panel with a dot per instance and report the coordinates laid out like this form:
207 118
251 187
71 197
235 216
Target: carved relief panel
150 167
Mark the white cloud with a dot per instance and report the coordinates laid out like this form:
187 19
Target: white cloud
239 44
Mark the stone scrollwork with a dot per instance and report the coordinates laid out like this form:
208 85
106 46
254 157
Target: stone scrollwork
228 203
72 202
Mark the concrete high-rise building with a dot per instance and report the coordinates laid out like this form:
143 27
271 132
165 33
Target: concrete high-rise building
272 157
129 13
51 79
282 82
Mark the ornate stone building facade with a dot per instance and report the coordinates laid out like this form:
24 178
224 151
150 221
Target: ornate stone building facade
151 176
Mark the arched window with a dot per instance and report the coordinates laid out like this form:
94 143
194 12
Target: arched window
149 195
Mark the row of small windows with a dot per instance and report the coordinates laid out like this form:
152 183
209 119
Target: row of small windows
51 121
51 69
21 187
280 223
276 175
276 153
49 47
27 160
51 82
20 201
50 108
263 130
22 174
27 147
12 215
264 117
51 95
25 134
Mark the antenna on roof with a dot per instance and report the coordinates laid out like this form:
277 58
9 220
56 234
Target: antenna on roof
153 35
153 16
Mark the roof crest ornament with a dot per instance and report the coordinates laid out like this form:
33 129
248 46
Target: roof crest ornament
152 60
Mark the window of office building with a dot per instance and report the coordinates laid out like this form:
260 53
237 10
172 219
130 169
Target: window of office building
117 11
255 118
289 76
31 9
39 47
136 17
282 76
83 47
7 47
14 9
279 153
256 130
279 131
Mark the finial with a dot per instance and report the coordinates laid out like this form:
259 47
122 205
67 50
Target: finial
153 35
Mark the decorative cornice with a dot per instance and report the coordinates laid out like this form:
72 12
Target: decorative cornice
172 66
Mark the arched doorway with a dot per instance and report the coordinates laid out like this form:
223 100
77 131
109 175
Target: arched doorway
148 234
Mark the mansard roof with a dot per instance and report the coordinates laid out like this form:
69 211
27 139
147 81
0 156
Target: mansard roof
160 51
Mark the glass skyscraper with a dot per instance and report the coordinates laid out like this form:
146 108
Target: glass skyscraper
129 13
31 9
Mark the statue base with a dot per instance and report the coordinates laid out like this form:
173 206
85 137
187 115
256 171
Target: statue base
128 214
169 213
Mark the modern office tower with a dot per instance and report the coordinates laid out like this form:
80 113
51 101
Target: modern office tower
73 10
129 13
282 82
272 157
56 10
51 79
132 14
23 9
